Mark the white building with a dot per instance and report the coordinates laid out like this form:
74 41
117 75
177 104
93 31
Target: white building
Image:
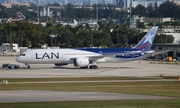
7 48
177 2
92 2
66 2
10 4
144 3
108 2
127 3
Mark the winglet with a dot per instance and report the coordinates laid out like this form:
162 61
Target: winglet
146 42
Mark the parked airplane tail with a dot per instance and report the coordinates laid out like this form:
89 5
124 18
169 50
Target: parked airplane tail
21 16
147 40
9 20
75 22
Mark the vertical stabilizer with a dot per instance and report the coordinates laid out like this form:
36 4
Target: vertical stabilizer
147 41
9 20
75 22
21 17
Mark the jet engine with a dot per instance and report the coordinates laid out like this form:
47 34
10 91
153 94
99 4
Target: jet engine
81 62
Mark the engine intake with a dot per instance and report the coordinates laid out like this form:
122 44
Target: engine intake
81 62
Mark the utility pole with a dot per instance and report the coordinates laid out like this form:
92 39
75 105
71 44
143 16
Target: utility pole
97 10
10 37
38 2
130 14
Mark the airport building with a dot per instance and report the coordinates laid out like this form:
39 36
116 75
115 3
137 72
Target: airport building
10 3
92 2
13 48
120 3
174 51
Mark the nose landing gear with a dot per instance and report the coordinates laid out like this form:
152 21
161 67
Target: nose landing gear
28 66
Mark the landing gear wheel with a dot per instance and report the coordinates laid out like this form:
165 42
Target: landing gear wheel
93 66
9 67
28 67
15 67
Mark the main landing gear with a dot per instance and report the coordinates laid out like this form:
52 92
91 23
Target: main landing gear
90 67
93 66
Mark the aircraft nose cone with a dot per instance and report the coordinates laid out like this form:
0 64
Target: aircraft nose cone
18 59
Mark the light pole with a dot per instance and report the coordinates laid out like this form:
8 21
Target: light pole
52 36
130 13
92 37
97 10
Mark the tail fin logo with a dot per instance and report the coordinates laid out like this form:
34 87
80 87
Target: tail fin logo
147 41
149 38
21 16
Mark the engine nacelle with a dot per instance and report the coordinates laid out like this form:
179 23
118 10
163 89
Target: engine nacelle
81 62
60 64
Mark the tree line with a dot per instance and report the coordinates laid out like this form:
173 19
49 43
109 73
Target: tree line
106 35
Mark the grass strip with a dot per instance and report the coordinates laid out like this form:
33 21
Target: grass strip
161 88
77 79
99 104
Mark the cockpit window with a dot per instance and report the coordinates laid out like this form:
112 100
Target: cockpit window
22 55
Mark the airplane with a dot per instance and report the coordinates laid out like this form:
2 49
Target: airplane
74 24
88 57
9 20
21 17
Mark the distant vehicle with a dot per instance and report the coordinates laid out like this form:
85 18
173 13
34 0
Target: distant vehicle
88 57
10 66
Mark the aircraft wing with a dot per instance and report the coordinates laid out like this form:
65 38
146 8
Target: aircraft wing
152 53
159 52
91 58
95 58
123 53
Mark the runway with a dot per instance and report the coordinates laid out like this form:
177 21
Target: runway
129 69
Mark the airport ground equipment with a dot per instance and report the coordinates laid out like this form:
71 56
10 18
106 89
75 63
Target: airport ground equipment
10 66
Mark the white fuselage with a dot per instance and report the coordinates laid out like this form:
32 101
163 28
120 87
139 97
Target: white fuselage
63 56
